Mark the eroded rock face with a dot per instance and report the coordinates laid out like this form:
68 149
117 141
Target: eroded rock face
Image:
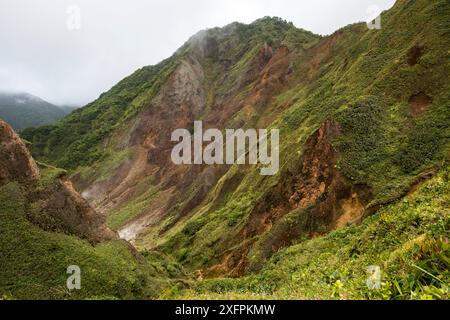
316 181
16 163
419 103
315 192
56 208
182 100
62 209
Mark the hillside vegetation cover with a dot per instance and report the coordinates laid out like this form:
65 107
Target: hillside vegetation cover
364 126
23 110
34 261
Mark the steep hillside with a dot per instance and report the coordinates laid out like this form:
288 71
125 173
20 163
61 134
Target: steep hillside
408 240
46 227
22 110
363 118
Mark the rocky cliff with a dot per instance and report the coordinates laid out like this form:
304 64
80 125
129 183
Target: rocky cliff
58 206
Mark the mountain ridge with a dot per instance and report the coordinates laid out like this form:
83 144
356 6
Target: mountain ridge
362 116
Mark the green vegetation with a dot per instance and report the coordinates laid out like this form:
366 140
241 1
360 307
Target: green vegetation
34 262
101 171
133 208
408 240
365 82
74 141
23 110
203 233
389 142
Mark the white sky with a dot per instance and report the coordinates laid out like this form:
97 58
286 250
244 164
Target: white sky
39 54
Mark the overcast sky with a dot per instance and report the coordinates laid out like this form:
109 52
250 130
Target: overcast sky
46 52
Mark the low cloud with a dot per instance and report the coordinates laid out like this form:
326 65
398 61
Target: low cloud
42 55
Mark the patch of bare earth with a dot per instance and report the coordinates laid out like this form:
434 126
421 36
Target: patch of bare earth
419 103
414 55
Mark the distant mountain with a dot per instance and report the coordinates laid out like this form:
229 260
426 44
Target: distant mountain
23 110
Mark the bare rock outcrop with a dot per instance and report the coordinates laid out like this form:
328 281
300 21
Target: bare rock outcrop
56 207
16 162
315 192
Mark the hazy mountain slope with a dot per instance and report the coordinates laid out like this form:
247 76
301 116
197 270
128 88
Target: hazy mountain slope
22 110
363 118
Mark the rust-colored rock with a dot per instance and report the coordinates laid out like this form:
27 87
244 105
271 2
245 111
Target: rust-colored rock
16 163
58 208
316 187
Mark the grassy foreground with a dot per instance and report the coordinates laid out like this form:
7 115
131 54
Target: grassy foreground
408 240
34 262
